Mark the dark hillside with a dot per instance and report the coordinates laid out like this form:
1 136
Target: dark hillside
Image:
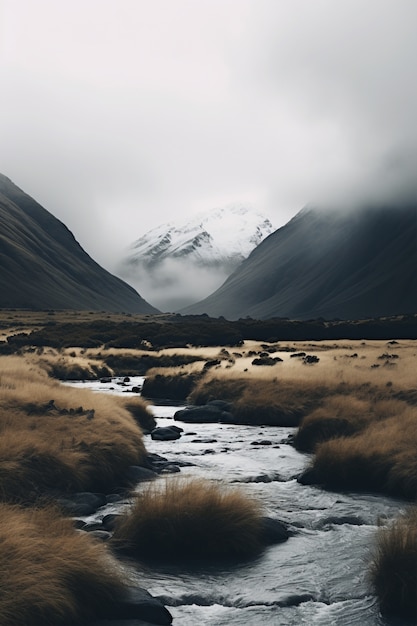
43 266
354 265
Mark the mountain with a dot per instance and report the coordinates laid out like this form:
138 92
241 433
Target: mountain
348 265
43 267
182 262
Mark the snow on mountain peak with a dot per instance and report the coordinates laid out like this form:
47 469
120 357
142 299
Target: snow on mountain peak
179 262
214 236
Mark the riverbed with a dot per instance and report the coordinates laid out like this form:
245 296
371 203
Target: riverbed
319 576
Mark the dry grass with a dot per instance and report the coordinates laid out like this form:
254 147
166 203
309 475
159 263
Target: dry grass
192 519
173 383
49 573
382 457
81 440
394 567
259 400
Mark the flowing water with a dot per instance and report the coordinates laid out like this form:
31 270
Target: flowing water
318 577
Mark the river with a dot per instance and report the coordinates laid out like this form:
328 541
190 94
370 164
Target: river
318 577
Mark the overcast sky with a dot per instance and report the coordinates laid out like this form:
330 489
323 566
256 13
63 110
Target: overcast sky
120 115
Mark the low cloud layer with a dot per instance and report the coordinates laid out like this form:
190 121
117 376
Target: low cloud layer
120 116
174 284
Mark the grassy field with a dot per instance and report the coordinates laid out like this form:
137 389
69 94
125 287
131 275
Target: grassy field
354 403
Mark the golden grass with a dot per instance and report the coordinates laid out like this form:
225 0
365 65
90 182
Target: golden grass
394 567
259 400
81 440
51 574
382 457
192 519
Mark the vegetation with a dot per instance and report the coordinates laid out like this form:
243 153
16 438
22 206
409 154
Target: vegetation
191 519
66 329
65 578
173 385
394 567
57 438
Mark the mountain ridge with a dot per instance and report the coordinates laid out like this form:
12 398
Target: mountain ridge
192 257
322 263
43 265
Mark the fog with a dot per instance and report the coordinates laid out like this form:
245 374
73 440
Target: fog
121 116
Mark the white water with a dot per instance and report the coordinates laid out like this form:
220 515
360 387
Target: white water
318 577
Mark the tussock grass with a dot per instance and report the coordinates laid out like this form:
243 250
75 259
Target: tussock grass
394 567
260 400
57 437
380 458
49 573
67 367
193 519
175 385
137 407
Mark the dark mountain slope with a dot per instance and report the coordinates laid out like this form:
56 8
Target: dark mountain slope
327 264
43 267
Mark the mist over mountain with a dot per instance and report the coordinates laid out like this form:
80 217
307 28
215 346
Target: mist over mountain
43 267
331 264
179 263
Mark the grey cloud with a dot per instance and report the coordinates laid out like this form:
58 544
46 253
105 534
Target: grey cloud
120 116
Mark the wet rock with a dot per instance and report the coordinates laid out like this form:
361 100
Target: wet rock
199 415
82 503
205 440
138 474
308 477
339 520
105 379
166 433
262 442
101 535
140 605
221 404
273 531
109 521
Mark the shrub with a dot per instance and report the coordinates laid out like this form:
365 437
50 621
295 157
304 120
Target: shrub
394 567
190 520
62 577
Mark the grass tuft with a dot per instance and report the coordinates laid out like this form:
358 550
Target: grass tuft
58 577
192 519
394 567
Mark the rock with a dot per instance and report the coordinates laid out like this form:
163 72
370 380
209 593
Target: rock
308 477
204 440
221 404
199 415
101 535
139 604
334 520
82 503
135 389
166 433
262 442
273 531
109 521
138 474
105 379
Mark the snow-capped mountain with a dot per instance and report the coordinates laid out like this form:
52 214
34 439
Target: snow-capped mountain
183 260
